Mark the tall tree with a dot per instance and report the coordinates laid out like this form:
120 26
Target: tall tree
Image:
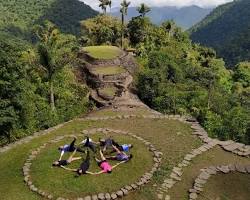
124 12
109 2
103 5
143 9
55 51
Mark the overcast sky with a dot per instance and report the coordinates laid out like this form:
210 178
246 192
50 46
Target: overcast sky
179 3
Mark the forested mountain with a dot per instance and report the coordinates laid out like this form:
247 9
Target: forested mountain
17 15
227 29
184 17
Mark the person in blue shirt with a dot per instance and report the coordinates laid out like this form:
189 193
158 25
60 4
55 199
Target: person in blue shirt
120 155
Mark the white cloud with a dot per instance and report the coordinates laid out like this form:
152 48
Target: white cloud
178 3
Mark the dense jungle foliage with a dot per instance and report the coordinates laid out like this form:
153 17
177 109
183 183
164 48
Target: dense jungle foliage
227 30
16 16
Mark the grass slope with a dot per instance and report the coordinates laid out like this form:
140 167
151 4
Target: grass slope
103 52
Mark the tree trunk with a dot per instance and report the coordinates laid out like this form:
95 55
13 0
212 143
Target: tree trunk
122 30
52 97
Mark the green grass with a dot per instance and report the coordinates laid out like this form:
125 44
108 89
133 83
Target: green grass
63 182
114 112
213 157
110 91
109 70
162 133
103 52
230 186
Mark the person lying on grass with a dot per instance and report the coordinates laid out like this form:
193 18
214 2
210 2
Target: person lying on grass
106 143
69 148
61 163
123 147
120 156
89 143
83 169
104 165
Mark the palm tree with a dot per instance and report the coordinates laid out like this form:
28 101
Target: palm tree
109 3
169 26
103 6
54 53
143 9
124 12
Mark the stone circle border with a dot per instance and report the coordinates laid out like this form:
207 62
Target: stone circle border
208 172
144 179
230 146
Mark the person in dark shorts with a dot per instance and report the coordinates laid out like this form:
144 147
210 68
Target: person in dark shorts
61 163
104 165
120 156
69 148
83 169
106 143
89 143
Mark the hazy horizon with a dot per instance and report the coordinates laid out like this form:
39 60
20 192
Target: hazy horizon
159 3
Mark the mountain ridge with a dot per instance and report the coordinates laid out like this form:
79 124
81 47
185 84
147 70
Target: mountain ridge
227 30
184 16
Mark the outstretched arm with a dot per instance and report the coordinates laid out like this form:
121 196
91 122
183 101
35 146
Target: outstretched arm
118 164
116 149
62 153
97 173
73 170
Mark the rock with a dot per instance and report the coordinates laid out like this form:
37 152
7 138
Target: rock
107 196
125 192
167 197
175 177
101 196
113 196
192 191
232 167
204 176
193 196
248 168
119 193
233 146
177 171
211 171
160 196
241 168
87 198
224 169
200 181
77 198
134 186
94 197
128 187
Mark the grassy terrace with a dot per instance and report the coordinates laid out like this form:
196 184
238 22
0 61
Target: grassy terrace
103 52
109 70
173 145
171 137
110 91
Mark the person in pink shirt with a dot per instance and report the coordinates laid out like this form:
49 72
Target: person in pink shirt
104 165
